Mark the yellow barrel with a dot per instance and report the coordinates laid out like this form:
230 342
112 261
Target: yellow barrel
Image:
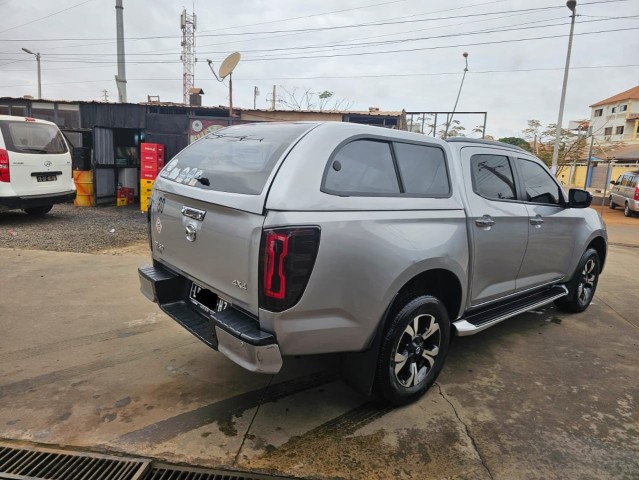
83 180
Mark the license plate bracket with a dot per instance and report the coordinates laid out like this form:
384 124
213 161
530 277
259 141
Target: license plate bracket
206 300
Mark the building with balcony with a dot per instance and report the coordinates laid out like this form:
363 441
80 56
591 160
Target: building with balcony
616 119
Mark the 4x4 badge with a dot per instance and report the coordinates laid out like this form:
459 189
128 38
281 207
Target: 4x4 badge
158 225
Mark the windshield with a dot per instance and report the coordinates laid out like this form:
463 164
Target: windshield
30 137
236 159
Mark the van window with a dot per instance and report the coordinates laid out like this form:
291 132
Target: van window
236 159
422 169
31 137
362 167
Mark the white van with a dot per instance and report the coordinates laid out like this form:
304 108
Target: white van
35 165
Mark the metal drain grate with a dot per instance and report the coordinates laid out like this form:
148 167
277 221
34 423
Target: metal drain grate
171 472
47 464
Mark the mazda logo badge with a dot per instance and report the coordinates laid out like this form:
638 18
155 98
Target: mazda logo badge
47 163
190 232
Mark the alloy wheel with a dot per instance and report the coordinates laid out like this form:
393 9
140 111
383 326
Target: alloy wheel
417 350
586 284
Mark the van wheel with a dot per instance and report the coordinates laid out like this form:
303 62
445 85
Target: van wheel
413 350
612 205
626 210
37 211
581 288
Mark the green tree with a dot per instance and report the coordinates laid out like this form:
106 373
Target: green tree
519 142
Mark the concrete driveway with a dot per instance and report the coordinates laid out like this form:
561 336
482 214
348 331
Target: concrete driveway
86 361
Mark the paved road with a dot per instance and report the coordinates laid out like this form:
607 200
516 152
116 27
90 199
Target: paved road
86 361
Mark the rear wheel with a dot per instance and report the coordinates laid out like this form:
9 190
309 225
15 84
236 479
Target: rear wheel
626 210
37 211
612 205
581 288
413 350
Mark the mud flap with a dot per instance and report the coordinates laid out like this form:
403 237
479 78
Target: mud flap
358 369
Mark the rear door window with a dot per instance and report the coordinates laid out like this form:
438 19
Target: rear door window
493 177
236 159
362 167
423 169
32 137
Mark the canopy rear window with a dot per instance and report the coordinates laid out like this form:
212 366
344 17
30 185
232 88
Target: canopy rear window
236 159
31 137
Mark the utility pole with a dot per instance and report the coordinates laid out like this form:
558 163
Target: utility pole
572 5
120 78
105 95
273 99
256 92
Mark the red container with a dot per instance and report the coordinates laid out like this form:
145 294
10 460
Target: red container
148 174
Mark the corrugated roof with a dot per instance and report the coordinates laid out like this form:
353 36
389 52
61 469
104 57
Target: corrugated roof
338 112
632 94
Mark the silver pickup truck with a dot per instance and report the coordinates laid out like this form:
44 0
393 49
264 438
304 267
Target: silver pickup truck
283 239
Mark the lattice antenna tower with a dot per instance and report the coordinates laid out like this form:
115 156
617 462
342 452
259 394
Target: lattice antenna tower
188 23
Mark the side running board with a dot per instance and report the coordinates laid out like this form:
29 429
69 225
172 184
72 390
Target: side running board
484 317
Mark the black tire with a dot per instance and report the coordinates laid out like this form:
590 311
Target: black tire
626 210
38 211
582 286
611 205
424 351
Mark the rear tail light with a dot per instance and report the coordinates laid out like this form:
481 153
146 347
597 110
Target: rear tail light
637 193
287 257
5 174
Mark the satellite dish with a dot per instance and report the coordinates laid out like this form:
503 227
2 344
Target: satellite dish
229 64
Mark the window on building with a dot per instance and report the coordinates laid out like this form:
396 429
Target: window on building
623 108
619 130
599 112
614 109
4 109
68 116
18 110
608 131
422 168
43 111
493 177
363 167
540 187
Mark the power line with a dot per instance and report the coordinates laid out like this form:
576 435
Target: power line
330 77
46 16
308 30
313 15
514 27
355 54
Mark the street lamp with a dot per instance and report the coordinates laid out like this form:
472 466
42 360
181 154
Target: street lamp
450 120
37 55
572 5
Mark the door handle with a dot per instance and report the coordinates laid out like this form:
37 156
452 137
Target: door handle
485 222
537 221
194 213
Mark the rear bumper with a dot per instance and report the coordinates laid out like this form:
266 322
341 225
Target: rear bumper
32 201
234 333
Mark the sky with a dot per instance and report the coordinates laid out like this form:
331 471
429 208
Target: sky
401 54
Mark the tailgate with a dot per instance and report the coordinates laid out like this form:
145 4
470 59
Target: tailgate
219 252
34 174
39 159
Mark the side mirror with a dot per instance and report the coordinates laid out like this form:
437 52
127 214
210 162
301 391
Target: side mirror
579 198
613 182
